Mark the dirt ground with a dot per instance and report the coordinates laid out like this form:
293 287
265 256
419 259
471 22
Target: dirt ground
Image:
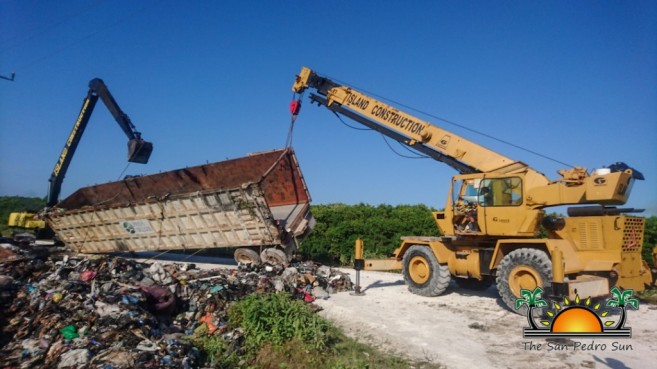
464 329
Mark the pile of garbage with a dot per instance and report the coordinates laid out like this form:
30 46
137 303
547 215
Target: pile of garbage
111 312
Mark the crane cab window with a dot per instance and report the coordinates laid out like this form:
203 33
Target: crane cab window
464 195
500 192
467 191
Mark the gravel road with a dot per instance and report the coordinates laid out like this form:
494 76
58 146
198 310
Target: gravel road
463 329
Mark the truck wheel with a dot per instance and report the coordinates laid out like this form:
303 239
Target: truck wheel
246 256
422 272
474 284
523 269
273 256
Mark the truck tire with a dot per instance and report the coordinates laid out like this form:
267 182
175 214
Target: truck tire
246 256
474 284
274 257
422 273
523 269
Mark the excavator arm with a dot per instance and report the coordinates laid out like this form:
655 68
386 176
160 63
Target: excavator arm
139 151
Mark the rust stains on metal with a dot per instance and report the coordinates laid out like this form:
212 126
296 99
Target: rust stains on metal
276 171
254 201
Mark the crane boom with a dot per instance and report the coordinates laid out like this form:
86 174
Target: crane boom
575 186
463 155
139 151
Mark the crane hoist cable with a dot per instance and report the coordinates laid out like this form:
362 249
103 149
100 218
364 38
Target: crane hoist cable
295 107
418 156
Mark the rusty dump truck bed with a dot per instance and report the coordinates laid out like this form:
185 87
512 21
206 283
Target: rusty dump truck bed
260 200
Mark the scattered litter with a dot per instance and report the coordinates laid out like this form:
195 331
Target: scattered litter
111 312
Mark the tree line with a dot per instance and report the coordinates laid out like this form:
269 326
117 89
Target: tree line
381 227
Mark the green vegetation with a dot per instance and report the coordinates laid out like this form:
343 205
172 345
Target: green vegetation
276 319
283 333
380 227
10 204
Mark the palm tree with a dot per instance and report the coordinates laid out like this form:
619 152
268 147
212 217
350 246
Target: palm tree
621 299
532 300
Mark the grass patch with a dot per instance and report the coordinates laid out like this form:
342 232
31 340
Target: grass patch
649 295
281 333
343 353
347 353
216 350
276 319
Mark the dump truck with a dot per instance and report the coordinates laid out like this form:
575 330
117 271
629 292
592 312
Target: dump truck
259 205
494 210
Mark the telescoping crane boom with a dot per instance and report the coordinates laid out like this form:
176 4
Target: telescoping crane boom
494 211
139 151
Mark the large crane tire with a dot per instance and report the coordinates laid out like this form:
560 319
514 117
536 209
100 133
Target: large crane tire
523 269
423 274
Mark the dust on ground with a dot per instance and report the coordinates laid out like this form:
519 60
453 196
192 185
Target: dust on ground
467 329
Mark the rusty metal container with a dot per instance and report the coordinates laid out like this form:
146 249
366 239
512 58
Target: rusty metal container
258 201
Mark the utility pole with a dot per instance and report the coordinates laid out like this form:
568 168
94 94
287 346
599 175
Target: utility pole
13 75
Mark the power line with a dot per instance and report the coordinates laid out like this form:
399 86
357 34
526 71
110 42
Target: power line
78 41
49 28
13 75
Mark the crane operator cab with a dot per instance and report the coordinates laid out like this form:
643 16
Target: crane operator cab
475 201
466 196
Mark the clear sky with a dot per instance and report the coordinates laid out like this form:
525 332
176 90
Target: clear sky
208 80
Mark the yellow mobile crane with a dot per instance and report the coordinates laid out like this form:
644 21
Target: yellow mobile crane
494 211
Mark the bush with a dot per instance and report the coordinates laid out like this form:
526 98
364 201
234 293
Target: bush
216 350
276 319
380 227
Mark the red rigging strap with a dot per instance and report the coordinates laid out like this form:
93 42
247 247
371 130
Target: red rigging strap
295 107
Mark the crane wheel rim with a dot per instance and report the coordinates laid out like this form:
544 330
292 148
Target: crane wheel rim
524 278
419 270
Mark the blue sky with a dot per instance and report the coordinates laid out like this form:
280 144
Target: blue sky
205 81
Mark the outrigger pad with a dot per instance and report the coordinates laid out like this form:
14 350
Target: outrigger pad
139 151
